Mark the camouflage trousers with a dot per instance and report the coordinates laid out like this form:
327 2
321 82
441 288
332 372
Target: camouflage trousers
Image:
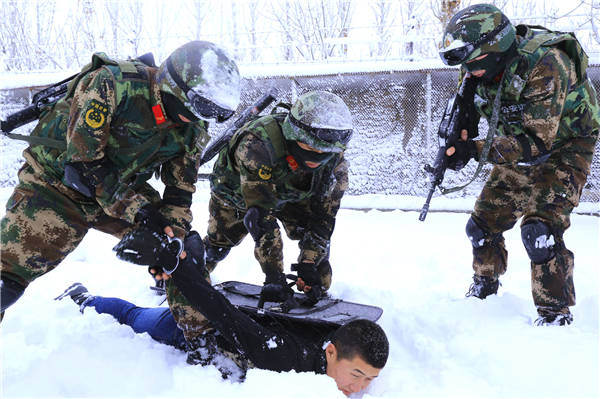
547 193
44 223
226 229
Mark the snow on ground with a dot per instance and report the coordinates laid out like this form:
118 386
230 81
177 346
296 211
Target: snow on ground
442 344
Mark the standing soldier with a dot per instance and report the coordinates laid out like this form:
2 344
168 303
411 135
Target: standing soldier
533 90
120 122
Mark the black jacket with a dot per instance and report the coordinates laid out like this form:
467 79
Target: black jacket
268 343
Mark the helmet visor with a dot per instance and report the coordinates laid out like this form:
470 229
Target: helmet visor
457 55
331 136
454 54
206 109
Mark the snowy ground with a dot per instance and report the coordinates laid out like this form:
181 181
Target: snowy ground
442 344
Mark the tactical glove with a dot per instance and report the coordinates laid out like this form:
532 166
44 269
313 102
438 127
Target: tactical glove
144 246
150 217
310 275
276 289
85 176
464 151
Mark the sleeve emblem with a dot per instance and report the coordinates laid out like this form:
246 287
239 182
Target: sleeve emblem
95 116
265 172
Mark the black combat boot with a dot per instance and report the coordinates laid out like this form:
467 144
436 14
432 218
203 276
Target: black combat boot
553 316
78 293
483 286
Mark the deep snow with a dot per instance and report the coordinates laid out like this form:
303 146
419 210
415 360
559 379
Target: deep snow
442 344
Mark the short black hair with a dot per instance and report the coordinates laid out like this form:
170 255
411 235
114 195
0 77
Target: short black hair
363 338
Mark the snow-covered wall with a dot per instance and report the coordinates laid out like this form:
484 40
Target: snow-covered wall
396 116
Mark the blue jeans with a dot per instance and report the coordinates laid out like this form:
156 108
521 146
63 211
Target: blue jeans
157 322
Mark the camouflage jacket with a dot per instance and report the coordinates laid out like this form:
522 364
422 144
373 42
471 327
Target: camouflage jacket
256 170
114 112
547 103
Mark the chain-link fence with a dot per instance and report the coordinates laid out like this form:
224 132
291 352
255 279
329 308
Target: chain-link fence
396 114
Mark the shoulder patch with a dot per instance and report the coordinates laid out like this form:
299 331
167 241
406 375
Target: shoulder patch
95 115
265 172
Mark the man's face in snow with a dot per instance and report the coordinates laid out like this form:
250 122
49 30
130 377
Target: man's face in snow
350 375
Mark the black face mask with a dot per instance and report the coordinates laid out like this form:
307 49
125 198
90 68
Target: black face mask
493 64
174 108
301 156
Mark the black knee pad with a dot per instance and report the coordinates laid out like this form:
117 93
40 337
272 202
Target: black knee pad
475 233
215 254
10 292
539 241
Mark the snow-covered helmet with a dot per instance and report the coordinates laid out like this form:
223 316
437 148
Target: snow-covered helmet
474 31
320 119
202 78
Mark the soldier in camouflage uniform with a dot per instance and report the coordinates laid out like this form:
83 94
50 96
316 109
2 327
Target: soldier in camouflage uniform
288 167
120 122
533 82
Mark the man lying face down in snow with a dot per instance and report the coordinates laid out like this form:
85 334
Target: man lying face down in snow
353 355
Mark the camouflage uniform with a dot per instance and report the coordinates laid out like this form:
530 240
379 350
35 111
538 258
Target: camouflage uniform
250 173
113 113
548 126
255 170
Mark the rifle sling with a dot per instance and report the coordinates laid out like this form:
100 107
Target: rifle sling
486 146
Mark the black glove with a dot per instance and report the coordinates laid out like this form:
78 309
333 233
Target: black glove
307 272
464 151
276 289
150 217
85 176
144 246
310 275
194 248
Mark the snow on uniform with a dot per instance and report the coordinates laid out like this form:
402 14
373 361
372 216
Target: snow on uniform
113 118
548 127
253 171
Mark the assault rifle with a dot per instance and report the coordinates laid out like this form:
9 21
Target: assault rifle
47 97
247 114
41 99
456 118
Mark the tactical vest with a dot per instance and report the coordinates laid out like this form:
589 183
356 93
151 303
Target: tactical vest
536 42
225 180
137 144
